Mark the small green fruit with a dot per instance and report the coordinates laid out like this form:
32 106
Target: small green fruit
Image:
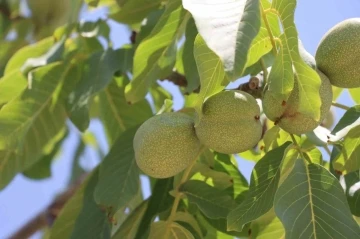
338 54
166 144
230 122
286 114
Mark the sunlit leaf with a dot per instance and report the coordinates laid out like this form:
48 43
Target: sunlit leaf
29 51
191 71
155 56
311 204
349 160
11 85
211 71
227 164
267 226
52 55
281 77
261 45
307 78
238 24
350 119
355 94
27 124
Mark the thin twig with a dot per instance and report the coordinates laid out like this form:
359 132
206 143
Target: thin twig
47 216
328 151
299 148
341 106
178 194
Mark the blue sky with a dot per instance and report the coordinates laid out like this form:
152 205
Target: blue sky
24 198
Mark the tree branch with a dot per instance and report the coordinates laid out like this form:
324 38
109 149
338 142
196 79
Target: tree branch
47 217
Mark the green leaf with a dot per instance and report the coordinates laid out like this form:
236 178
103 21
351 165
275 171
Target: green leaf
173 230
220 224
319 136
65 221
274 137
261 45
118 174
29 51
267 226
97 28
52 55
156 54
237 22
355 94
308 79
130 226
188 59
135 11
98 72
306 56
281 77
92 221
76 169
350 119
11 85
160 200
16 118
219 180
116 114
264 182
311 204
211 201
336 92
211 71
210 232
349 160
151 20
8 49
240 186
42 168
188 219
350 183
159 95
314 155
27 125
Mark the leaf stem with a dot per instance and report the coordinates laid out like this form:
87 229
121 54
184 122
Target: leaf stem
263 66
299 148
267 25
327 150
341 106
178 194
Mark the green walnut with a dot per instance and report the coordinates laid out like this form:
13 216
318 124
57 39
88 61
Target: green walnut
287 115
230 122
166 144
338 54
